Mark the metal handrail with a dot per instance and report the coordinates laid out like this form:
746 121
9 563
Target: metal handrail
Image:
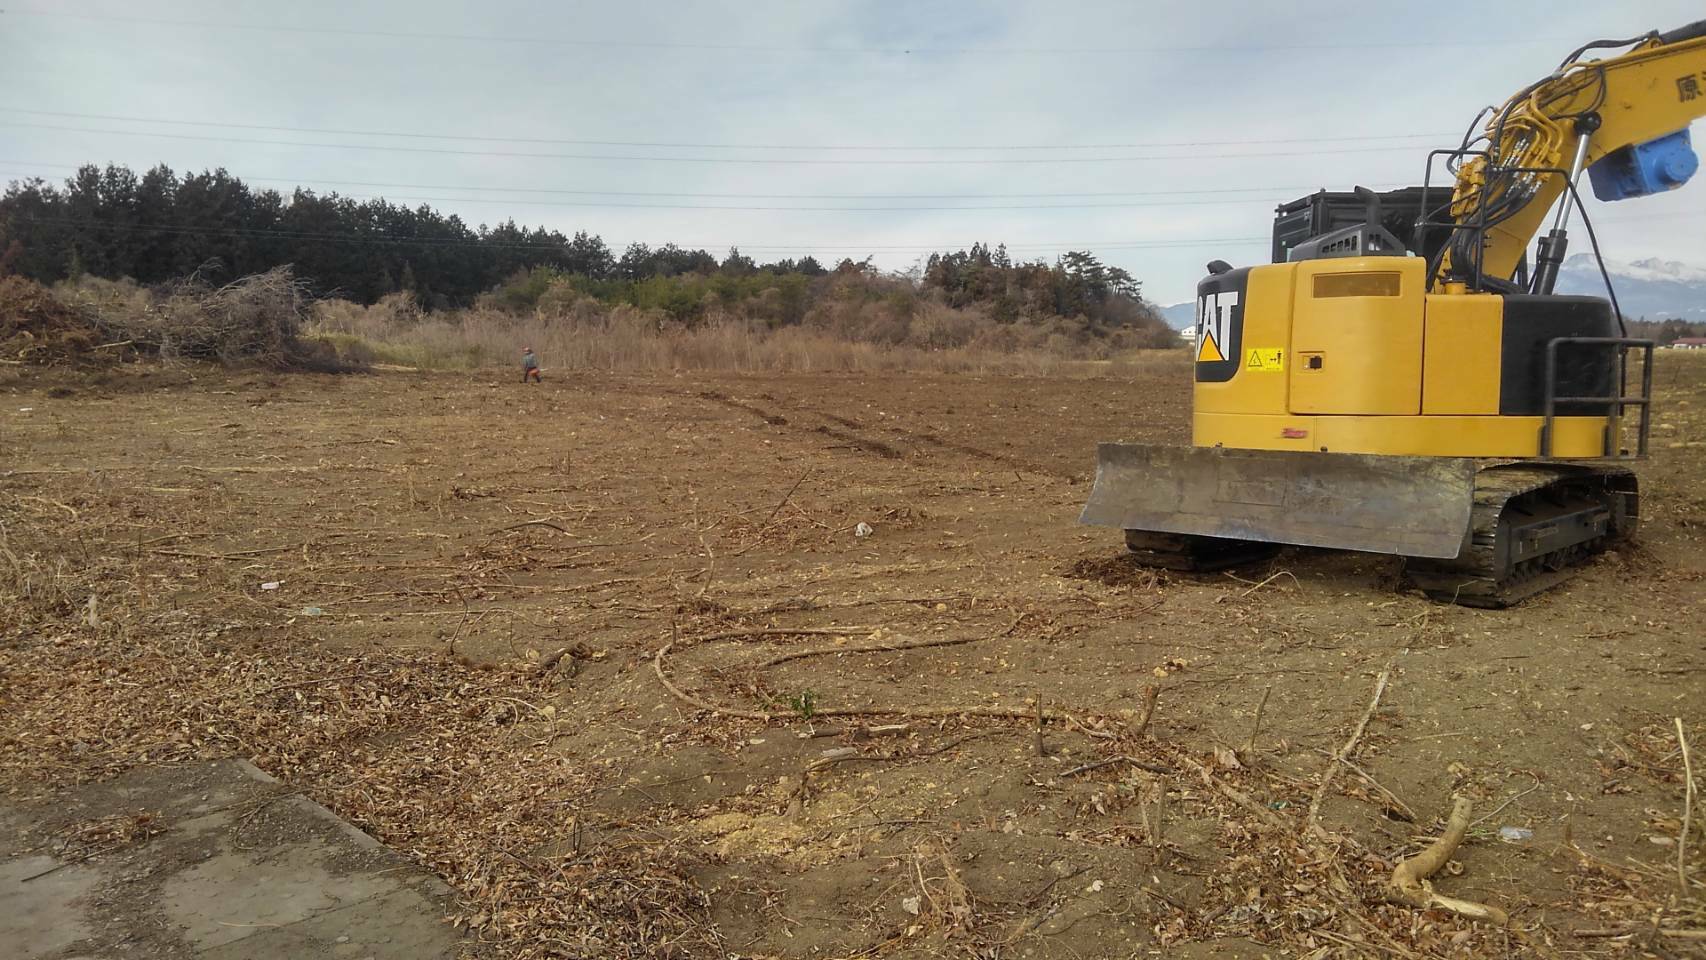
1614 405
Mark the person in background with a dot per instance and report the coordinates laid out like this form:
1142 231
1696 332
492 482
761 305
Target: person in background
529 366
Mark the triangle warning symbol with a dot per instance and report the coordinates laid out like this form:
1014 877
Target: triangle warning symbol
1209 351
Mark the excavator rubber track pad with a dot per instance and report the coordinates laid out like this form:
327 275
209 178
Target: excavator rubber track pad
1409 506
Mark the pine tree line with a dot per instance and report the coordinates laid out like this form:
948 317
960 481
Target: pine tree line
159 226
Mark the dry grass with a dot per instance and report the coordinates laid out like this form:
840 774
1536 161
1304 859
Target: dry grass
587 336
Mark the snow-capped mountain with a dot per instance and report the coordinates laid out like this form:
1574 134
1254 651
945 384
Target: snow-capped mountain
1650 289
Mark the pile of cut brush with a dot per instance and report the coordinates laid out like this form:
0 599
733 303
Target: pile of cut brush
255 320
36 328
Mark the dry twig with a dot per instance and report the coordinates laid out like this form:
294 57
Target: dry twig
530 523
1345 751
1151 693
1042 749
778 509
1255 728
1687 809
1122 758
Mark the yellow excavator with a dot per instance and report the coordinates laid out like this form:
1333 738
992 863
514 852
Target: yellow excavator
1401 380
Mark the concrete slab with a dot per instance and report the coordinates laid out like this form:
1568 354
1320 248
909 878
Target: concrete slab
244 867
30 897
231 895
386 926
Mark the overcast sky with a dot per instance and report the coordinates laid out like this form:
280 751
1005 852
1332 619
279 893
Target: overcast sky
1276 100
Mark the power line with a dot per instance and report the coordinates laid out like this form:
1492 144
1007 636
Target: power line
716 146
313 236
624 158
1642 217
594 204
542 40
394 198
750 196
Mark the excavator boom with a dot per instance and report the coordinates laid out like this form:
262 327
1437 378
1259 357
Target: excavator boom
1598 114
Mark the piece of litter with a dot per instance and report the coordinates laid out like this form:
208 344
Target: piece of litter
313 612
863 529
1094 887
1515 834
25 409
272 584
912 904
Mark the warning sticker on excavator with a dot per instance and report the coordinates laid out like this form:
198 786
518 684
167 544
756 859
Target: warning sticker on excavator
1265 360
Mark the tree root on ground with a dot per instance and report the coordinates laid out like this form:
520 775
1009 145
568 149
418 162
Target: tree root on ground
1410 886
930 713
904 644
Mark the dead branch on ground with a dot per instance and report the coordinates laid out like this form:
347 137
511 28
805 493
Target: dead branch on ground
878 647
1687 809
1345 751
1409 884
786 632
935 713
778 509
530 523
1122 758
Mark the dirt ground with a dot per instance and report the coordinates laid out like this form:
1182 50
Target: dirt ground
436 603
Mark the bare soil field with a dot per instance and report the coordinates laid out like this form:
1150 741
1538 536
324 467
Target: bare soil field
611 656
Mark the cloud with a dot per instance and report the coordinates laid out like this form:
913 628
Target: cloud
829 74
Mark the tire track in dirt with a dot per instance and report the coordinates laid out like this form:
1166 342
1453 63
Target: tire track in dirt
849 438
933 440
855 434
733 404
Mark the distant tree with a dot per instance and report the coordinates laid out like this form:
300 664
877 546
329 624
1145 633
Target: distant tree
636 262
588 256
736 263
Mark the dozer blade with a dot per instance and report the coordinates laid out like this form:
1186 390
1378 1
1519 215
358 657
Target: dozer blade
1411 506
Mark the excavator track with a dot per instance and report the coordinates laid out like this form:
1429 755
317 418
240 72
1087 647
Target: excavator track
1530 526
